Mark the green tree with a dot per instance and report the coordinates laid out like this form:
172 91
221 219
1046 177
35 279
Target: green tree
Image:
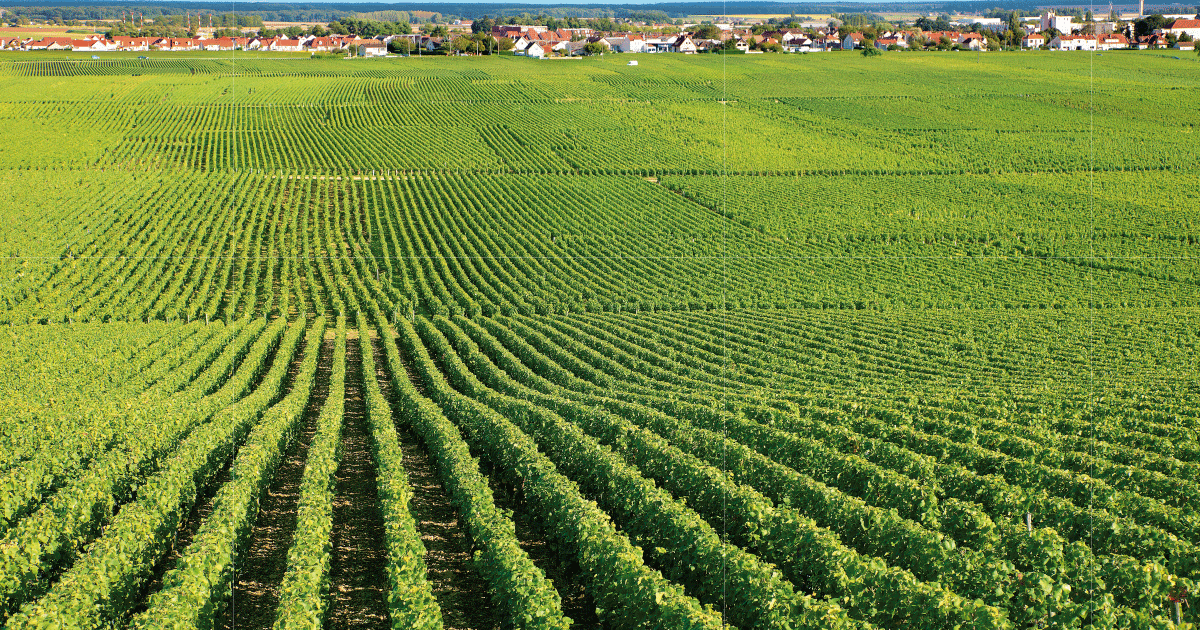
707 31
1148 25
483 25
594 48
869 49
400 46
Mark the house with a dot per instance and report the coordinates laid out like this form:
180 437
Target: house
1073 42
883 42
91 45
50 43
1185 46
1185 27
684 44
1112 41
828 43
934 38
177 45
1152 41
659 44
321 44
534 49
787 35
596 39
793 43
372 48
972 41
512 31
617 44
1061 23
1033 40
852 41
132 43
287 45
219 43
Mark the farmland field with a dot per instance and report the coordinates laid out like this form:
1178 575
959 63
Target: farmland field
759 342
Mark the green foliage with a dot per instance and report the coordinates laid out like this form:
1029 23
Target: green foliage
411 603
816 372
304 591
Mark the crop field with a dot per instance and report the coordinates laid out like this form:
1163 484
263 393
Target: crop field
753 342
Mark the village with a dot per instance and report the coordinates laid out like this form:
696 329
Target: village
1048 32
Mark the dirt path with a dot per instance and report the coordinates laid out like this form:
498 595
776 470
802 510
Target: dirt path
205 502
357 572
256 594
461 591
560 568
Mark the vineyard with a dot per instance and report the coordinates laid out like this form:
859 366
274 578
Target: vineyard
804 341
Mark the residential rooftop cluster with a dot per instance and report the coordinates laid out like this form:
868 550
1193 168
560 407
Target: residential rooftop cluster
1049 31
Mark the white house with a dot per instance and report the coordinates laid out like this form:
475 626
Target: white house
92 45
287 45
1073 42
659 44
972 41
372 49
534 49
219 43
1189 27
618 44
626 44
1112 41
321 44
684 44
1033 40
1060 22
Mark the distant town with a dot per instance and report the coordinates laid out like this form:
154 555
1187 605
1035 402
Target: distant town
573 37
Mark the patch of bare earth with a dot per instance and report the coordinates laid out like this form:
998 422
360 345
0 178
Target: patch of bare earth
559 567
357 571
461 591
256 592
206 500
